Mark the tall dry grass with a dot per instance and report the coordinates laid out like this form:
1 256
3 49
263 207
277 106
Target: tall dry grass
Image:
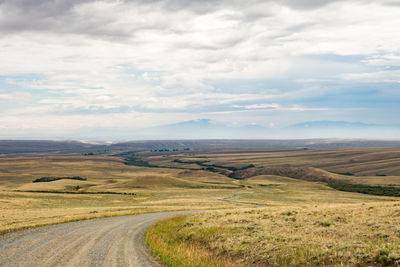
329 235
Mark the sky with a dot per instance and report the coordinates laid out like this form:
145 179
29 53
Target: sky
71 68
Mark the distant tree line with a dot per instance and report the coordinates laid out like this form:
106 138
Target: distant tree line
366 189
169 149
51 179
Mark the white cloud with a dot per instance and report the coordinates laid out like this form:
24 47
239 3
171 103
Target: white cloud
17 97
275 106
134 58
259 106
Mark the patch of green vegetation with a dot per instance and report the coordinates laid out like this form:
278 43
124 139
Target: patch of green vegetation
289 213
132 159
366 189
246 167
137 161
344 173
324 224
214 167
51 179
199 162
211 169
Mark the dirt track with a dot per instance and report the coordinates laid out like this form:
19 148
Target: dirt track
114 241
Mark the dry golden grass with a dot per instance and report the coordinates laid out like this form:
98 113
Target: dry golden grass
303 224
330 235
184 254
357 161
26 209
155 189
102 173
249 233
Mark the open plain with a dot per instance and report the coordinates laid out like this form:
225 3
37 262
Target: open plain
266 207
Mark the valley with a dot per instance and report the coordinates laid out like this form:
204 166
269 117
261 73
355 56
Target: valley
249 192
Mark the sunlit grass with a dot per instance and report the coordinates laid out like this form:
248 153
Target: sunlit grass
302 223
356 235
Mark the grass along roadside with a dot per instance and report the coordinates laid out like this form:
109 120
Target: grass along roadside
334 235
176 250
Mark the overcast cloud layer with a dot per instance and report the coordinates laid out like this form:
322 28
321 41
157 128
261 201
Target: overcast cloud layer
68 66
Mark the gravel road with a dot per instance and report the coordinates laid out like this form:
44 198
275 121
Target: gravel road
113 241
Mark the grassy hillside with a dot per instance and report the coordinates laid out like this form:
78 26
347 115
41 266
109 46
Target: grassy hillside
280 181
142 189
101 173
139 189
324 235
304 222
377 162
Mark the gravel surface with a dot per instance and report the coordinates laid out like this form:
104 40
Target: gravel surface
113 241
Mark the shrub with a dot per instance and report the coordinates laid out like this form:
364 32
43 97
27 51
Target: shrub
51 179
366 189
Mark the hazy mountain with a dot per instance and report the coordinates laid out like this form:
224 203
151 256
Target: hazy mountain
343 129
332 124
201 129
341 124
209 129
193 125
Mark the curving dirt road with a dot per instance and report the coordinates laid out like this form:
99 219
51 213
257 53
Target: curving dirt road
113 241
229 200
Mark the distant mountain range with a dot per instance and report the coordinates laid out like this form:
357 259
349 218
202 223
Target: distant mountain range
339 124
208 129
201 129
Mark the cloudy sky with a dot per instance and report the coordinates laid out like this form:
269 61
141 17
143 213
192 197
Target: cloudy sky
77 66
